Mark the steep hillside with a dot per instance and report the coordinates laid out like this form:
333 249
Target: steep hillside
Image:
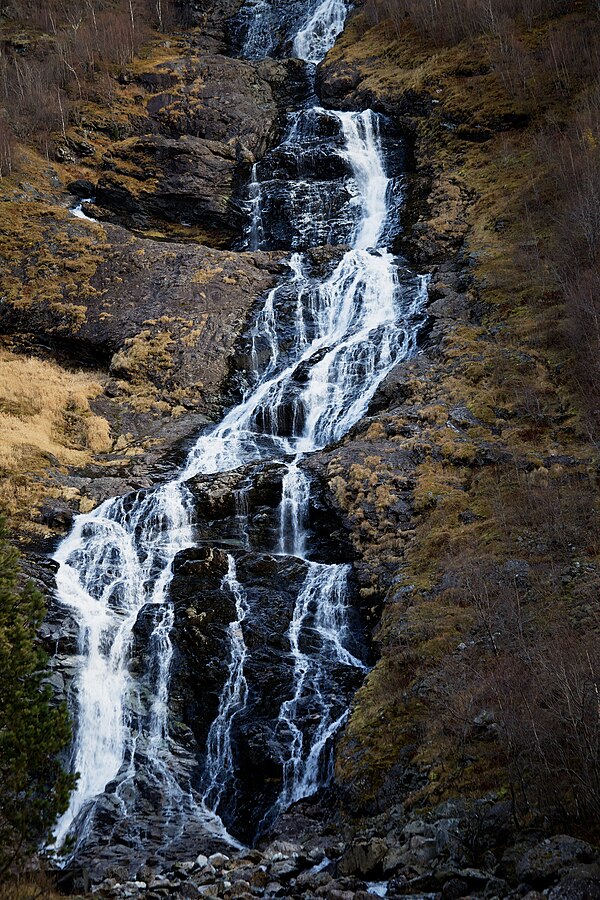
471 493
467 497
134 327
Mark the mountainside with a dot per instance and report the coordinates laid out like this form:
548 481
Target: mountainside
436 512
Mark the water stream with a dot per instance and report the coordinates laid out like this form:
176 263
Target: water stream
319 348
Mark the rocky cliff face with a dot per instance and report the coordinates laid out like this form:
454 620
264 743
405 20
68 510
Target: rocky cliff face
207 118
418 484
142 294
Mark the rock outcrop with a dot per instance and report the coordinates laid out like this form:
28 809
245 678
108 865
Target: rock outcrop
414 487
456 851
238 515
161 317
200 123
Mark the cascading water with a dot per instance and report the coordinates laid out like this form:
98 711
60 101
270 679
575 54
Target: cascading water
220 766
105 569
311 28
318 350
255 230
318 33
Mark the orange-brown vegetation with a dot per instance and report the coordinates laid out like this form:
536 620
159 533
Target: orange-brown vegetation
45 420
64 53
546 55
490 671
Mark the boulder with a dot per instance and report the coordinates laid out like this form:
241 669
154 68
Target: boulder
364 858
581 883
552 858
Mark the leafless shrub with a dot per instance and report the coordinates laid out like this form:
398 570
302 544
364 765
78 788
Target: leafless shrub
7 149
32 96
449 21
89 38
548 712
513 61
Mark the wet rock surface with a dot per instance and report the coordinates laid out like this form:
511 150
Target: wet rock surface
311 163
311 853
266 30
237 514
368 479
208 118
241 510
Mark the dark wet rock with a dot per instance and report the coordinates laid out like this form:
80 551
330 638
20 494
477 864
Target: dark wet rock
81 188
309 164
241 509
38 567
455 888
365 858
57 516
553 857
272 37
186 181
59 632
204 609
580 883
208 118
157 314
135 841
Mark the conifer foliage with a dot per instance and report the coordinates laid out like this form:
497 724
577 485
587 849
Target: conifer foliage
34 789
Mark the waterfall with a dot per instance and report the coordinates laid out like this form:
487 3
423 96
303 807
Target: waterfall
305 390
104 575
220 767
320 30
311 31
255 230
259 21
321 606
295 495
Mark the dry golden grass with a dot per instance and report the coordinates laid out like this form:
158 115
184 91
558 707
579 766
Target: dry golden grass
45 418
46 409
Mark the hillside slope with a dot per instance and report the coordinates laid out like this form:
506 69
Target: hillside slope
471 493
468 493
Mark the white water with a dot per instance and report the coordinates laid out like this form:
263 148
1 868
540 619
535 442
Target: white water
259 38
379 888
322 607
314 36
293 513
348 332
359 324
319 31
78 212
255 230
358 321
105 574
220 768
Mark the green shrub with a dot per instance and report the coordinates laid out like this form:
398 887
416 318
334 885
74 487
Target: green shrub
34 789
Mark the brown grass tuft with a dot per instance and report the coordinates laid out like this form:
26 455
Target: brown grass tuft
45 417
